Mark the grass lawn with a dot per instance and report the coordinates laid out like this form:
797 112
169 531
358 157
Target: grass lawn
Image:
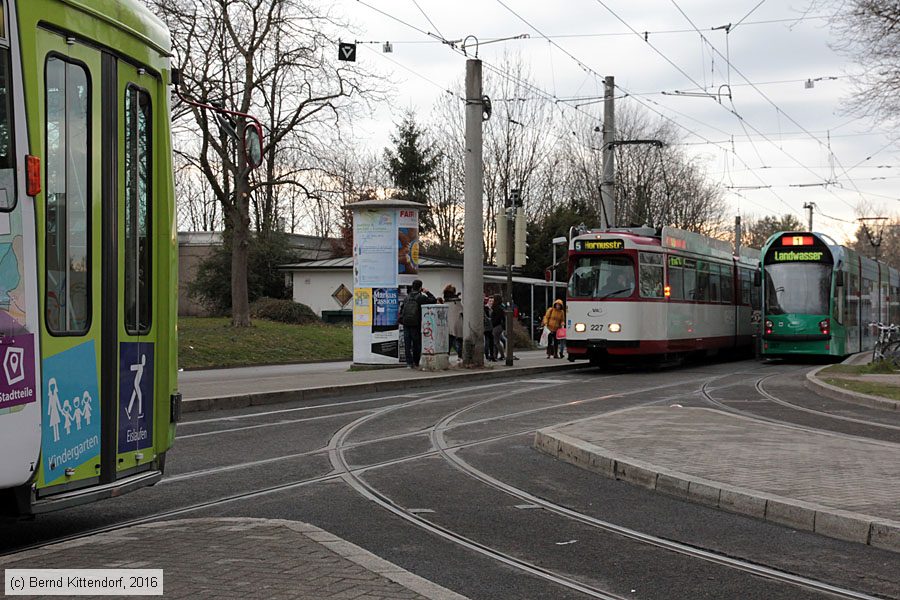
205 343
870 369
866 387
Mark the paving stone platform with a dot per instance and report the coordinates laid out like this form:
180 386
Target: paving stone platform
239 558
833 484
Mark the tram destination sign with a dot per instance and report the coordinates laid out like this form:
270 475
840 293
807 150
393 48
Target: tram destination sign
798 256
598 245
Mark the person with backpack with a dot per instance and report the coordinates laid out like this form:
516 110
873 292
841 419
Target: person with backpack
411 319
498 325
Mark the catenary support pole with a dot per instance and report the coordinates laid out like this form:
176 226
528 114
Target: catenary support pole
607 182
809 206
510 253
737 235
473 241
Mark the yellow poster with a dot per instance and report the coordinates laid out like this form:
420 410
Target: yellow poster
362 307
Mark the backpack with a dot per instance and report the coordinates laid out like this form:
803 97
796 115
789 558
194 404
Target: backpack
411 312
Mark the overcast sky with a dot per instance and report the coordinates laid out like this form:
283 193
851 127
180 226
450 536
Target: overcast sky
775 45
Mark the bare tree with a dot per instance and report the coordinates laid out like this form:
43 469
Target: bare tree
868 31
274 58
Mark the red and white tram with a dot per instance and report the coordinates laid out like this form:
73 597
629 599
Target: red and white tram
644 291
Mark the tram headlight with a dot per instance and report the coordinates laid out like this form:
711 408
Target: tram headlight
615 328
580 327
769 326
825 326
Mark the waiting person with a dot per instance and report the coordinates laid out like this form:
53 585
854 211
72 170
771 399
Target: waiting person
498 324
554 318
411 319
454 319
561 339
489 351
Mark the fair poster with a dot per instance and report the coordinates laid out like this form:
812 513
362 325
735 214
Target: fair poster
374 248
408 243
362 307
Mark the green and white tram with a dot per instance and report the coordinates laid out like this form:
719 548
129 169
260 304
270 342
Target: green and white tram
819 297
88 261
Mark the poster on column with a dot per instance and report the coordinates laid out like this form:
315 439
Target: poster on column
135 396
374 235
386 308
408 244
362 307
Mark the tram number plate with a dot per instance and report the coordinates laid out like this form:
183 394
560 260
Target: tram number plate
596 327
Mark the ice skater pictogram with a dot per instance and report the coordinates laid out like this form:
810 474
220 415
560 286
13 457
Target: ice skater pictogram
136 393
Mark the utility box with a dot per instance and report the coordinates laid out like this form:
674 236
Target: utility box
435 337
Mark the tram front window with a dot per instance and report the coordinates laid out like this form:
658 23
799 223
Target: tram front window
600 277
798 288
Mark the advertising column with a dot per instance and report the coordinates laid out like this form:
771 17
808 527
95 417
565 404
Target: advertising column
374 285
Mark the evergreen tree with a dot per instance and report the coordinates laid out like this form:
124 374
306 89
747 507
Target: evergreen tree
411 164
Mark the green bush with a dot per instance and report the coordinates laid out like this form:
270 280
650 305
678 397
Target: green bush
283 311
520 336
212 286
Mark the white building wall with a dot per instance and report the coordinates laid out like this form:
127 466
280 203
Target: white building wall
314 287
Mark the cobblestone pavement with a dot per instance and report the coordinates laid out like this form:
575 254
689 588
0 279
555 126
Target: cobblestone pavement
240 558
821 468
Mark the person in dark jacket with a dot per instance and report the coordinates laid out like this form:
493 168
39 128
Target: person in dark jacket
488 335
411 319
498 324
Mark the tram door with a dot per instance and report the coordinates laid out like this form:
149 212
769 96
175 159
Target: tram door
94 213
132 349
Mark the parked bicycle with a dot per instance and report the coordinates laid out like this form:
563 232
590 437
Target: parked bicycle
887 344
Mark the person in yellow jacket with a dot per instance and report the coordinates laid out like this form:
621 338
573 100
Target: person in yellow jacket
554 318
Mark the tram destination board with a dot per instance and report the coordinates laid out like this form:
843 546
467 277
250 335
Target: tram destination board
794 247
598 245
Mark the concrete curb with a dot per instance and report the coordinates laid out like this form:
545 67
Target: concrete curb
343 548
831 522
816 385
370 387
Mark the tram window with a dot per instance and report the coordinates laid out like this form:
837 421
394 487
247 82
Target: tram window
68 291
7 140
745 287
702 282
602 277
690 280
727 284
138 194
715 283
651 283
676 283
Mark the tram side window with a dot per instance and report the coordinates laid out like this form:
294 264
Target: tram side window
853 300
690 279
702 282
715 283
728 284
7 140
67 297
138 194
755 296
746 286
651 275
676 282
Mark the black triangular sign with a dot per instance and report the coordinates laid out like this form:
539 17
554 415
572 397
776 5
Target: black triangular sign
347 52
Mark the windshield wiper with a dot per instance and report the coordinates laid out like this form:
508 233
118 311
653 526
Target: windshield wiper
628 289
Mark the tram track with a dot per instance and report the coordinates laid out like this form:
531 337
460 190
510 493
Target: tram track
835 430
352 476
294 484
354 479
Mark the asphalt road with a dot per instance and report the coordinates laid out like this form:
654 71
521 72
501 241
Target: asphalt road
408 477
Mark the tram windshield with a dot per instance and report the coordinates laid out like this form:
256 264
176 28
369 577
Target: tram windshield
798 288
600 277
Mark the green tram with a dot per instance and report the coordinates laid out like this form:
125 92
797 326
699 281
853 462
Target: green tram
819 297
88 262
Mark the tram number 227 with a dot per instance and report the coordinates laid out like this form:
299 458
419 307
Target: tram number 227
596 327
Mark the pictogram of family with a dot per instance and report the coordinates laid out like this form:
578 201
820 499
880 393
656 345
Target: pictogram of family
77 410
